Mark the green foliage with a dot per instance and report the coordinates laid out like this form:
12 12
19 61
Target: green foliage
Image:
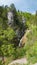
3 17
5 38
32 53
31 45
7 50
9 34
19 52
1 63
9 39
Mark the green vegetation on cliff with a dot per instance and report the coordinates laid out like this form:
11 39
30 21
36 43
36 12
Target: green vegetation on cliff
10 34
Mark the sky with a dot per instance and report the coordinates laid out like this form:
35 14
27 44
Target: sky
22 5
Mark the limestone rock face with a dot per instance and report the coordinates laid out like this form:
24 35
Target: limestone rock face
18 26
10 18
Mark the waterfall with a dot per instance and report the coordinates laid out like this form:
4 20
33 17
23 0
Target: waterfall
23 40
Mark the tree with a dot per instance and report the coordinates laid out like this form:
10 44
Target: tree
6 42
3 17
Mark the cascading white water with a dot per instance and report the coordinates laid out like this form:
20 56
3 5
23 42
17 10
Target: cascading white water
23 40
